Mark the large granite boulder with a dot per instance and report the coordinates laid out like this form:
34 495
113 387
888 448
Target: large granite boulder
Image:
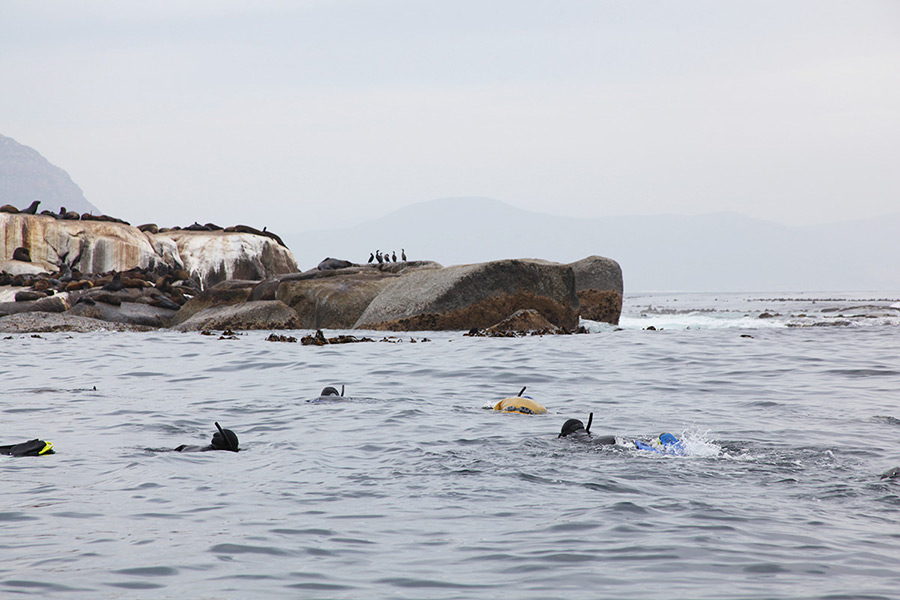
215 256
336 298
266 314
225 293
474 297
598 283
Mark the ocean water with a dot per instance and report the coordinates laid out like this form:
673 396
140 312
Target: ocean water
408 488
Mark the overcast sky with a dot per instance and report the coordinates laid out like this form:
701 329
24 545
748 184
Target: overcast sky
299 114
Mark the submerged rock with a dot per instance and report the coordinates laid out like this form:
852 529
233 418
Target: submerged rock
40 322
524 321
266 314
319 339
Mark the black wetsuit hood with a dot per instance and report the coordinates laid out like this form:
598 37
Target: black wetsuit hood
573 427
225 439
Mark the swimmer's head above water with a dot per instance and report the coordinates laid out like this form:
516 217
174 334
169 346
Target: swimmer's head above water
224 439
576 427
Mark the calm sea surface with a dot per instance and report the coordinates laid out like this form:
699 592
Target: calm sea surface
410 489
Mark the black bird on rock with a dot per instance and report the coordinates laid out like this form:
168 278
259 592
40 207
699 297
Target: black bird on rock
371 257
402 254
394 256
378 257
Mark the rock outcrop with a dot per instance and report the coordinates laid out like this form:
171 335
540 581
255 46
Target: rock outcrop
215 256
102 246
40 322
133 313
91 246
474 297
507 297
225 293
50 304
18 267
526 320
337 298
264 314
598 283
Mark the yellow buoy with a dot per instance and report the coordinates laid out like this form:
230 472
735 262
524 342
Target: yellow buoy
520 404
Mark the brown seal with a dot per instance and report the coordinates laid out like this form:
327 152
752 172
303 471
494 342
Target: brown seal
22 254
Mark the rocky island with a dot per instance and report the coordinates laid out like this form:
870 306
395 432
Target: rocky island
81 272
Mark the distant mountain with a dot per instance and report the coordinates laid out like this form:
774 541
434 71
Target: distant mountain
713 252
26 176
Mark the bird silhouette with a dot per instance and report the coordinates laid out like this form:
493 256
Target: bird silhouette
394 256
402 254
371 257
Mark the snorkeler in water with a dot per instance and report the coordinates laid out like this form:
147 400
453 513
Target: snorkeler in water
666 443
223 439
33 447
330 391
330 394
575 429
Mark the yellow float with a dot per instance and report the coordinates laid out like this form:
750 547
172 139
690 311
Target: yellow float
520 404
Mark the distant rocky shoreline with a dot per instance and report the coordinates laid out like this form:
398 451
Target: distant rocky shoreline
63 274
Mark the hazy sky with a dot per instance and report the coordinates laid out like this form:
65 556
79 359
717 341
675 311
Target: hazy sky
298 114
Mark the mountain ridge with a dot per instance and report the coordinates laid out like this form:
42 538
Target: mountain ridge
25 176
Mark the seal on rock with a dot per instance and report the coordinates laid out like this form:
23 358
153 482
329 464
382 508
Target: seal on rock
329 264
22 254
32 208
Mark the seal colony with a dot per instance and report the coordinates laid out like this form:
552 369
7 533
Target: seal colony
161 286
